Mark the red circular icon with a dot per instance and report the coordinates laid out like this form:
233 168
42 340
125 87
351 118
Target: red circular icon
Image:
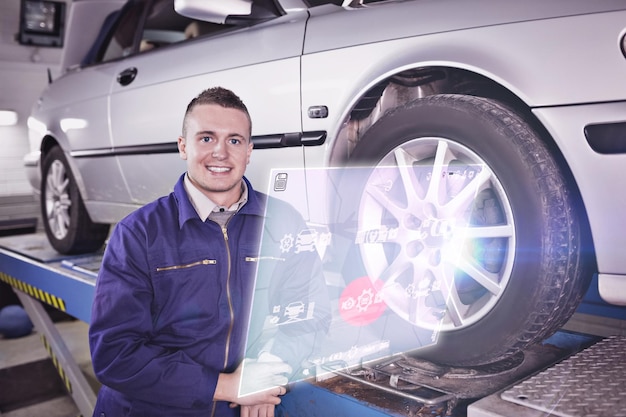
360 302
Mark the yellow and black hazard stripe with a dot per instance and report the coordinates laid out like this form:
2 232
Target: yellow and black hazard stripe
34 292
52 300
57 365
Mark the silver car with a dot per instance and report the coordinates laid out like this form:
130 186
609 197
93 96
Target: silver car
491 137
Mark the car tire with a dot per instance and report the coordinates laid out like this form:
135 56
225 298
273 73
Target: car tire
67 224
483 239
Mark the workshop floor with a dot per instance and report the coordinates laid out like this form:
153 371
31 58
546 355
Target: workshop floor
30 383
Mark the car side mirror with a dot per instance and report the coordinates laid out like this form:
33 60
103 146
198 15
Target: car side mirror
215 11
231 12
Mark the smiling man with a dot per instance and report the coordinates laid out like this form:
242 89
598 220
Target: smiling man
173 294
216 145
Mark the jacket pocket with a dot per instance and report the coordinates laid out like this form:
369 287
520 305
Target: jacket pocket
187 293
185 266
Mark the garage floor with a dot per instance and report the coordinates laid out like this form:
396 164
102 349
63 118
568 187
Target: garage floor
31 385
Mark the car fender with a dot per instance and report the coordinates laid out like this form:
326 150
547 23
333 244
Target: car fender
73 113
338 78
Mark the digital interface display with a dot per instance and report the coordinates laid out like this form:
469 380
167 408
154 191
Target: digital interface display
345 286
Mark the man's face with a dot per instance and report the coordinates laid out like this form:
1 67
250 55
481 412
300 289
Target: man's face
217 148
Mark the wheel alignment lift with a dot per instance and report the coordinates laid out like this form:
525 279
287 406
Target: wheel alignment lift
38 273
66 284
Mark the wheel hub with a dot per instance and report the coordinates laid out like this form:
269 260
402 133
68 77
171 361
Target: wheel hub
434 233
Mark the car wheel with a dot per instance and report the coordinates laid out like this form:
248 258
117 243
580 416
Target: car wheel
467 219
67 224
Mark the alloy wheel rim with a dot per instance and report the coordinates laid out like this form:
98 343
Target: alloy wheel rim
437 228
58 201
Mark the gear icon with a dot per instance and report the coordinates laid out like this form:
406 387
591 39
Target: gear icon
365 300
286 243
348 304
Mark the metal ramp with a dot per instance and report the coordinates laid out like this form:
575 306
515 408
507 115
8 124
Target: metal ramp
424 388
40 275
591 383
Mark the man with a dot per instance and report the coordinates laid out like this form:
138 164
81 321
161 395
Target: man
172 299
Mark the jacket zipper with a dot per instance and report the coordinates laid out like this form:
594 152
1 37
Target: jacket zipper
230 308
192 264
228 297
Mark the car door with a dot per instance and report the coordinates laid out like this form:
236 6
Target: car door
260 63
76 109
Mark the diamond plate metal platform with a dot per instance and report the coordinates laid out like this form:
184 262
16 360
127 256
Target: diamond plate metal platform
590 383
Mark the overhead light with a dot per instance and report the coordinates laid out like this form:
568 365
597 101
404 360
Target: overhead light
8 118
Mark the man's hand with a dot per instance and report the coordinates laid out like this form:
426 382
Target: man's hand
254 383
260 375
262 410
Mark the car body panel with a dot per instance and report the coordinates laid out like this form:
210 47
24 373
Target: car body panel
75 99
598 176
326 81
379 22
611 288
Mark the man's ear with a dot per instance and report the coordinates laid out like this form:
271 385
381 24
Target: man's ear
250 146
182 148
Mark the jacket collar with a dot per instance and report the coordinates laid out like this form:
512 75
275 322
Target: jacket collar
254 206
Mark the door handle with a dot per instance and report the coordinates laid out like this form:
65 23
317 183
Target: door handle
127 76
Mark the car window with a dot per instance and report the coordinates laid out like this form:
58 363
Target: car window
163 26
122 37
136 31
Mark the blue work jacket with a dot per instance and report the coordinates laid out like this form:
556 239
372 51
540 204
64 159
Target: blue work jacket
172 301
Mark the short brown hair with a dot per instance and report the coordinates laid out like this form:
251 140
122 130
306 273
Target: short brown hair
220 96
